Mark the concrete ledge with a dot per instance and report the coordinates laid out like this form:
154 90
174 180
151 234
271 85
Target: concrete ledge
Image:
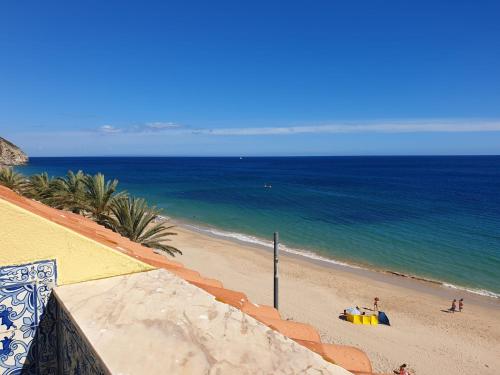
156 323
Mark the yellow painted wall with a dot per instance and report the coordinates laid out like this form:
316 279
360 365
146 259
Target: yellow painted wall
26 237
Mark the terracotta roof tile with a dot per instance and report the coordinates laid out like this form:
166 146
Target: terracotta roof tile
262 311
194 277
348 357
231 297
293 330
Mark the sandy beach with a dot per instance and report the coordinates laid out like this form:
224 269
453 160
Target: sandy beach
422 334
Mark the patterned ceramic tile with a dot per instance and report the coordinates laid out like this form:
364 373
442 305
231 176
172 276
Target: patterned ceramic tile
36 336
17 352
24 292
17 306
75 355
46 338
41 271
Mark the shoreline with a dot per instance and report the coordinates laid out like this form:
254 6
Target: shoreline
422 333
440 287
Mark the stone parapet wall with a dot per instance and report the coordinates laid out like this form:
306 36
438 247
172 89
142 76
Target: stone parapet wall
156 323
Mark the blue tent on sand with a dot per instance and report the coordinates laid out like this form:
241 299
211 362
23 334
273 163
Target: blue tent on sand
383 318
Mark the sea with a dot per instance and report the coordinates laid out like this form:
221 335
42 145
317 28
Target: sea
436 218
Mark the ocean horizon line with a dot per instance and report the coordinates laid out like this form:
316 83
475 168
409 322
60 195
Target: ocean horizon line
269 156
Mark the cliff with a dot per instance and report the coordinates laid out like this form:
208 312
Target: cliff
10 154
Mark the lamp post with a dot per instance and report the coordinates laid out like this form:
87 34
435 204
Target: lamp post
276 277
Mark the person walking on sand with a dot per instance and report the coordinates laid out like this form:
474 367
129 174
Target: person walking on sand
460 304
375 304
453 306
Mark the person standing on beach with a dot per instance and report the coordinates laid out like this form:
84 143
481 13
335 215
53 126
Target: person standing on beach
375 304
461 305
453 306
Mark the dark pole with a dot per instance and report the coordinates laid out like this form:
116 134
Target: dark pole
276 255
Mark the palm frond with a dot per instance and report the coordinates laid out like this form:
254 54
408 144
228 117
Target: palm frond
69 192
12 179
133 219
100 196
39 187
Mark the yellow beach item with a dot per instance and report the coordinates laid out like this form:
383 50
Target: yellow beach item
355 319
362 319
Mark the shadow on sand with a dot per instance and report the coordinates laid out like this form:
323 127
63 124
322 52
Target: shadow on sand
449 311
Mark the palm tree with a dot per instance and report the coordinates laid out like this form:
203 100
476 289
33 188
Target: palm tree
100 196
69 192
12 179
39 187
133 219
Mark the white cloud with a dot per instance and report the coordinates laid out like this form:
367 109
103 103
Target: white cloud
408 126
197 141
403 126
143 128
161 125
109 129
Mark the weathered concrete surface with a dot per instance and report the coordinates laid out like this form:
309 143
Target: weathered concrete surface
155 323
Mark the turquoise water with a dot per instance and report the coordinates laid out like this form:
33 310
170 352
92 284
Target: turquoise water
434 217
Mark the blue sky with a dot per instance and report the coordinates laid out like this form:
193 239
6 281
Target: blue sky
250 78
